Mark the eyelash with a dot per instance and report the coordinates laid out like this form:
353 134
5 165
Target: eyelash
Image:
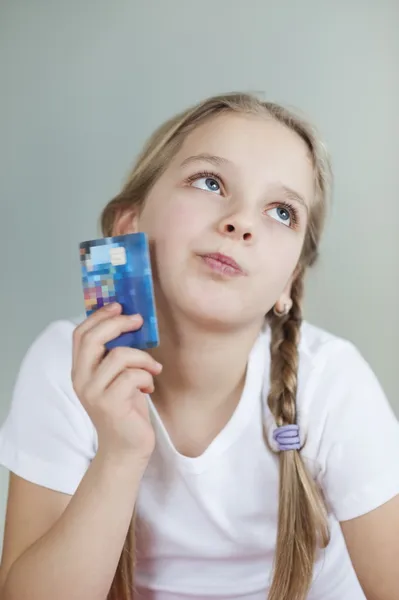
291 209
209 174
282 204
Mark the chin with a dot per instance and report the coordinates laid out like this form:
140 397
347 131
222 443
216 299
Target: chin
212 318
209 303
213 311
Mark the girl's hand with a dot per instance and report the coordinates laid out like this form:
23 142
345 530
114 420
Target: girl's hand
112 386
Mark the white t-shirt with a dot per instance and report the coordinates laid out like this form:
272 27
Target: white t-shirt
207 525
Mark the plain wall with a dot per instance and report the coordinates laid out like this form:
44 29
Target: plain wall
84 83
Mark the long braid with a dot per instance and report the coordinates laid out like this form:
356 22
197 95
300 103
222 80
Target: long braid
302 522
284 363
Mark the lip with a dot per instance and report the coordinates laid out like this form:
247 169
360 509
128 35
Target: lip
221 263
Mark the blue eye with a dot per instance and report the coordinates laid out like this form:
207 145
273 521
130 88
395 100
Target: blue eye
209 184
282 214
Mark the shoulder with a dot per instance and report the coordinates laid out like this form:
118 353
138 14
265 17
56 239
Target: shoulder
349 429
335 381
317 343
45 370
339 400
331 370
330 363
48 437
53 345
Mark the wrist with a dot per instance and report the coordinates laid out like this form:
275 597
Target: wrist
128 464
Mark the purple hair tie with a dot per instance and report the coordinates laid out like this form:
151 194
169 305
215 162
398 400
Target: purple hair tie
287 437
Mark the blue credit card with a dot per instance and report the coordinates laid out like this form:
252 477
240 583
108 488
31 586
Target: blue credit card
118 269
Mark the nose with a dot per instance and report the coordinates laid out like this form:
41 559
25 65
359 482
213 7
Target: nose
237 227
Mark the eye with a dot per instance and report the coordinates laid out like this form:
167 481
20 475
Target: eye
209 184
285 214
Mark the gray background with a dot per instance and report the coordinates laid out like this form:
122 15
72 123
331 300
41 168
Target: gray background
84 83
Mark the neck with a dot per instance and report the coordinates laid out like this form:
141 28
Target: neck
201 367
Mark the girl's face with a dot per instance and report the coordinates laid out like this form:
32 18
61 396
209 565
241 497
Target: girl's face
239 189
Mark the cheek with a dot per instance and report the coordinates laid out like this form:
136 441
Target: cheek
173 224
181 218
278 257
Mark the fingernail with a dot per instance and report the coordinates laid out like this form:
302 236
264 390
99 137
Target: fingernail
158 366
135 317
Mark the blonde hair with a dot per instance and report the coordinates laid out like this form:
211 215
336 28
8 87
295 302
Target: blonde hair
302 519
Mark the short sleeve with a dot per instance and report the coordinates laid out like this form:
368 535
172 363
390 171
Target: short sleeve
359 444
47 437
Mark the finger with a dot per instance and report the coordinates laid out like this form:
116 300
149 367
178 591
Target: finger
129 381
91 347
106 312
119 359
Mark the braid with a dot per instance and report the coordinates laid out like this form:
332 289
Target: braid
284 364
302 520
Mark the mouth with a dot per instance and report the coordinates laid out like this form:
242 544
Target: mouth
221 263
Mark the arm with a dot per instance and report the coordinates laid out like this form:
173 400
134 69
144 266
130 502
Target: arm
359 458
373 544
21 529
68 539
55 544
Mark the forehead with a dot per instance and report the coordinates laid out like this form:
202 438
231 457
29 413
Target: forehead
257 147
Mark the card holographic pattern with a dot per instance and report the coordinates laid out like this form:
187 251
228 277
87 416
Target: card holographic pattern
118 269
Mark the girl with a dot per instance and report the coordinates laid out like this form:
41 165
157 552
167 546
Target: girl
251 455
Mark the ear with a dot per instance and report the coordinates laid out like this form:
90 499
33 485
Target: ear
125 222
284 301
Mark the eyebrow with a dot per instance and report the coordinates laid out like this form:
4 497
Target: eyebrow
211 158
291 194
288 192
